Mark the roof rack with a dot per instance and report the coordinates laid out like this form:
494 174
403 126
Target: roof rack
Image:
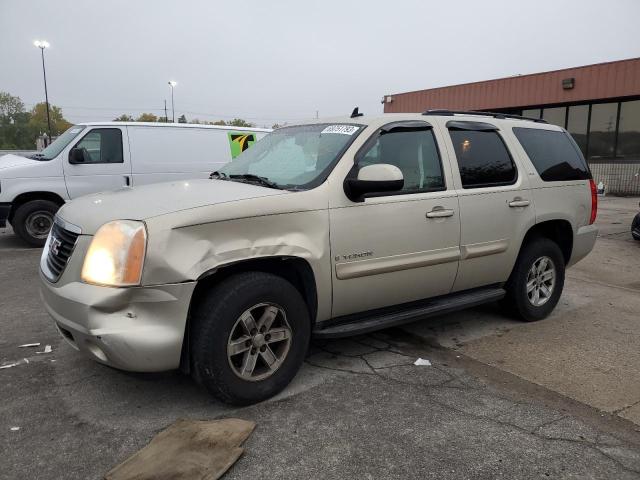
498 115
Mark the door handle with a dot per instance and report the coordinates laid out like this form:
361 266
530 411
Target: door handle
519 202
439 212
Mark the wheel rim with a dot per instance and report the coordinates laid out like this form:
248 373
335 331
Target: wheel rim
259 342
541 281
38 224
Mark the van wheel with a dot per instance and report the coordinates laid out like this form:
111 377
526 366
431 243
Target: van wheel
33 220
537 280
249 337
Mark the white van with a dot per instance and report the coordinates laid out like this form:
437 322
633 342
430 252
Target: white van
95 157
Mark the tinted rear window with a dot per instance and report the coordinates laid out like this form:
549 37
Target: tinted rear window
554 154
483 159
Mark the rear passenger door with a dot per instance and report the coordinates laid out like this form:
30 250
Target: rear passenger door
496 208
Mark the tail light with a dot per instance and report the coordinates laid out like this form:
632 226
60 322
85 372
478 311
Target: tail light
594 202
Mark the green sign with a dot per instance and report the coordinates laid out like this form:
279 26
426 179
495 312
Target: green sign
239 142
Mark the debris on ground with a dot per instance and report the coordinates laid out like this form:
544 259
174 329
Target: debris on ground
27 345
15 429
422 362
47 349
188 449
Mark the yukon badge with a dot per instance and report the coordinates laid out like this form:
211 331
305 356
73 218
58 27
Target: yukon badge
353 256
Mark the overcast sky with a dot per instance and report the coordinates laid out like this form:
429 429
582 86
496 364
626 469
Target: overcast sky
280 61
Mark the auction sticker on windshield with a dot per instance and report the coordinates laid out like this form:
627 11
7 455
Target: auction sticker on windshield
343 129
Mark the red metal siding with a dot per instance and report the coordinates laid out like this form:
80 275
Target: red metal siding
592 82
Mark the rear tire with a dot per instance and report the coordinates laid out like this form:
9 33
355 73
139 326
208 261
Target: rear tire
33 220
537 280
635 227
247 313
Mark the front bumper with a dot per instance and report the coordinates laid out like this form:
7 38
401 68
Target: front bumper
139 329
5 209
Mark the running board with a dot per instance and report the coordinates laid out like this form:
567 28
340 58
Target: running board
380 319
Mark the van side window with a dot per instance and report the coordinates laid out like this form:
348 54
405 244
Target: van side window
102 145
414 152
553 154
483 158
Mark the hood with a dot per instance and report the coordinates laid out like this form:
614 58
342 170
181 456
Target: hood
140 203
15 166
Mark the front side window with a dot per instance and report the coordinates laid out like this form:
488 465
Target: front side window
483 158
53 150
298 157
102 145
413 151
553 154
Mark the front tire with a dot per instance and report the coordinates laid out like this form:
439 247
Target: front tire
33 220
537 280
249 337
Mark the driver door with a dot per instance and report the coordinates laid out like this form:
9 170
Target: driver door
106 164
403 246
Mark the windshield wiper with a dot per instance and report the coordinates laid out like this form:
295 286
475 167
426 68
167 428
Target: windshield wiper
36 156
250 178
218 176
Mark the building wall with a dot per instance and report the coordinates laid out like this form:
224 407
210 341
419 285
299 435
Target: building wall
592 82
618 178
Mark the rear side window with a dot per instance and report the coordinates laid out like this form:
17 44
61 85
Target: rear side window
554 154
483 158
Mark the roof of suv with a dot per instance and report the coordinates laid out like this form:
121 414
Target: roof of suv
499 120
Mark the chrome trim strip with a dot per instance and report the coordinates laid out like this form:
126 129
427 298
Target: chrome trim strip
395 263
482 249
67 226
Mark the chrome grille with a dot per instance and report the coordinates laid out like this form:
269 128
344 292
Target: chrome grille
59 245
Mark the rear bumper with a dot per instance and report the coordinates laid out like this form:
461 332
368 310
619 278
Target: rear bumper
136 329
583 243
5 209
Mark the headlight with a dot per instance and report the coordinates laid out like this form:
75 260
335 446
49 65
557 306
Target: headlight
116 254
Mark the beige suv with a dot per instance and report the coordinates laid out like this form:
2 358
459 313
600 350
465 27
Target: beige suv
326 229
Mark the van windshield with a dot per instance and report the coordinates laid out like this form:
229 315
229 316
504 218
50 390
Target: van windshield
298 157
59 144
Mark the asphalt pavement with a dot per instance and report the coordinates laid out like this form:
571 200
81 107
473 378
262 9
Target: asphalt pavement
500 399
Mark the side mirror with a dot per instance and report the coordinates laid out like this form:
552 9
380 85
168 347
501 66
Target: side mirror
76 155
378 178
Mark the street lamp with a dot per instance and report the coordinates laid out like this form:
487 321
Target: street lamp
42 44
173 110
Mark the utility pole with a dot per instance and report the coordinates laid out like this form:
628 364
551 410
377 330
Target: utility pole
316 113
166 118
42 45
173 110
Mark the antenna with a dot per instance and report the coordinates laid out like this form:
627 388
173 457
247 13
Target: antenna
355 113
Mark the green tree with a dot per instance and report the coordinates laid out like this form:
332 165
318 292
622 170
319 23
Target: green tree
38 120
147 117
14 124
10 105
219 122
124 118
275 125
238 122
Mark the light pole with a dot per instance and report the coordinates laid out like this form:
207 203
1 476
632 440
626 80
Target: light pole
173 110
42 44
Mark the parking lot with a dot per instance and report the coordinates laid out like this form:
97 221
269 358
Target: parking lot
558 398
